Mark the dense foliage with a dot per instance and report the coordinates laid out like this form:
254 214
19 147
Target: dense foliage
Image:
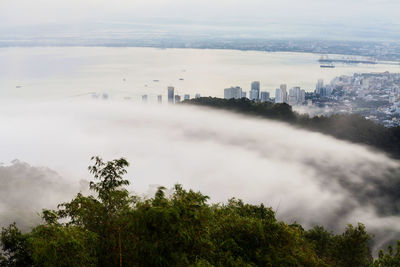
351 127
114 228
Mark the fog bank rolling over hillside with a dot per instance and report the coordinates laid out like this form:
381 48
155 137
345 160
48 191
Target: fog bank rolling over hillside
306 177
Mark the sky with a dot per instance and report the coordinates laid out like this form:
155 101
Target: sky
289 15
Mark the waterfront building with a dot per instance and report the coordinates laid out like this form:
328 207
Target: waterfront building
283 88
278 95
319 86
256 87
253 95
264 96
233 92
171 94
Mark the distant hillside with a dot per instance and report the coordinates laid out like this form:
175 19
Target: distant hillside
348 127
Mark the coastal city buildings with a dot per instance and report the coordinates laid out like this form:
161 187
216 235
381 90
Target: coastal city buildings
233 92
255 90
375 96
171 94
264 96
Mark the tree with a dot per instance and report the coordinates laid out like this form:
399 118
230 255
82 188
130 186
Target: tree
15 247
102 214
390 258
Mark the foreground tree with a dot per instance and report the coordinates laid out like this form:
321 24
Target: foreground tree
113 228
102 214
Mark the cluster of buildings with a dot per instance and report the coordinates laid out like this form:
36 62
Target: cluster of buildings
254 93
295 96
376 96
172 97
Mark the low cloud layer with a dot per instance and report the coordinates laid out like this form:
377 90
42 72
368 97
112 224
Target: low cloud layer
306 177
26 190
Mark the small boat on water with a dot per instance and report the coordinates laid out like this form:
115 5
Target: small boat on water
181 79
156 81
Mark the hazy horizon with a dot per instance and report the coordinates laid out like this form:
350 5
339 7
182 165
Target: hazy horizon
339 20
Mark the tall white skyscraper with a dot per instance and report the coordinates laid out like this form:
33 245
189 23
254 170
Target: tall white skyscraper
233 92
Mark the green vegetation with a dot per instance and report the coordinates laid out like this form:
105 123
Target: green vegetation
350 127
114 228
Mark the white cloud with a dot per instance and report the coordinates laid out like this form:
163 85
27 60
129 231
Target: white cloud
306 176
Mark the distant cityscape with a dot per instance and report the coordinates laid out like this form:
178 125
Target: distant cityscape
375 96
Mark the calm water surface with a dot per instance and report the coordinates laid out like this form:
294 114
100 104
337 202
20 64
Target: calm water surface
63 72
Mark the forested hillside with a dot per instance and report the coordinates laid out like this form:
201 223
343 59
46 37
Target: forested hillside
114 228
352 127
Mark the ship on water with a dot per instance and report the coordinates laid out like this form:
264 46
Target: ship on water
325 60
331 66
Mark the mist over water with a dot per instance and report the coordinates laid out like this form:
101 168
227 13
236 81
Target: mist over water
304 176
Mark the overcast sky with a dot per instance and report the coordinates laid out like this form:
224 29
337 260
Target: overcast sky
367 17
16 12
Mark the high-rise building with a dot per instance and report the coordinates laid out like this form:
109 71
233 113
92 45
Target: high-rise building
278 95
159 99
264 96
144 98
233 92
171 94
186 97
295 96
292 99
177 98
303 96
256 87
325 91
244 94
253 95
283 88
319 86
197 96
